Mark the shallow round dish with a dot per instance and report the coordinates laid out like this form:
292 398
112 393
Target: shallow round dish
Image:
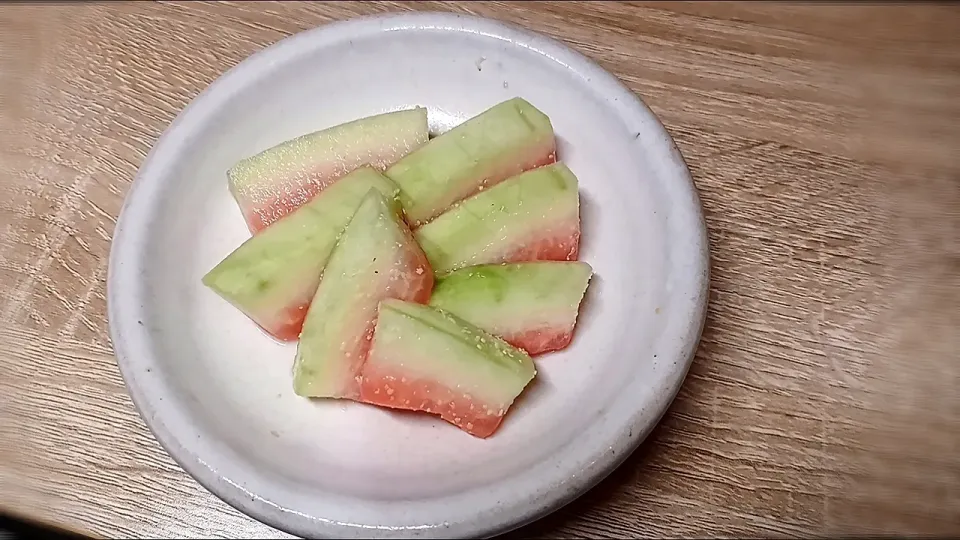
216 391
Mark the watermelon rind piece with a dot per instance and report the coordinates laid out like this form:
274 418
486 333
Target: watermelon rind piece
531 305
280 179
532 216
429 360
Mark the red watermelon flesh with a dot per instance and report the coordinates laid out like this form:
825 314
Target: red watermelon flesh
424 359
376 258
281 179
531 305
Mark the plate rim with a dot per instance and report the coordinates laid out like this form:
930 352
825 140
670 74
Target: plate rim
642 424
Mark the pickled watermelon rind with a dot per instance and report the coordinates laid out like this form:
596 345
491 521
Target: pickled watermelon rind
426 359
534 215
277 181
531 305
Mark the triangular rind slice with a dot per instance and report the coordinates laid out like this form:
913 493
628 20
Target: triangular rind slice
376 258
424 359
532 305
273 276
532 216
279 180
502 141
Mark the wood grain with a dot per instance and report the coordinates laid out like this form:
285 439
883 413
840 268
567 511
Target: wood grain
824 140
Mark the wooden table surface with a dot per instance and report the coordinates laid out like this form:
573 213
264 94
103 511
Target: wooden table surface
824 140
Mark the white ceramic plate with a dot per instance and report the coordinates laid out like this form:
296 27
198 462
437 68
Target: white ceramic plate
217 392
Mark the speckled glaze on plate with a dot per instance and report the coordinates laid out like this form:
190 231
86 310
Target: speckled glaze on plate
216 391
